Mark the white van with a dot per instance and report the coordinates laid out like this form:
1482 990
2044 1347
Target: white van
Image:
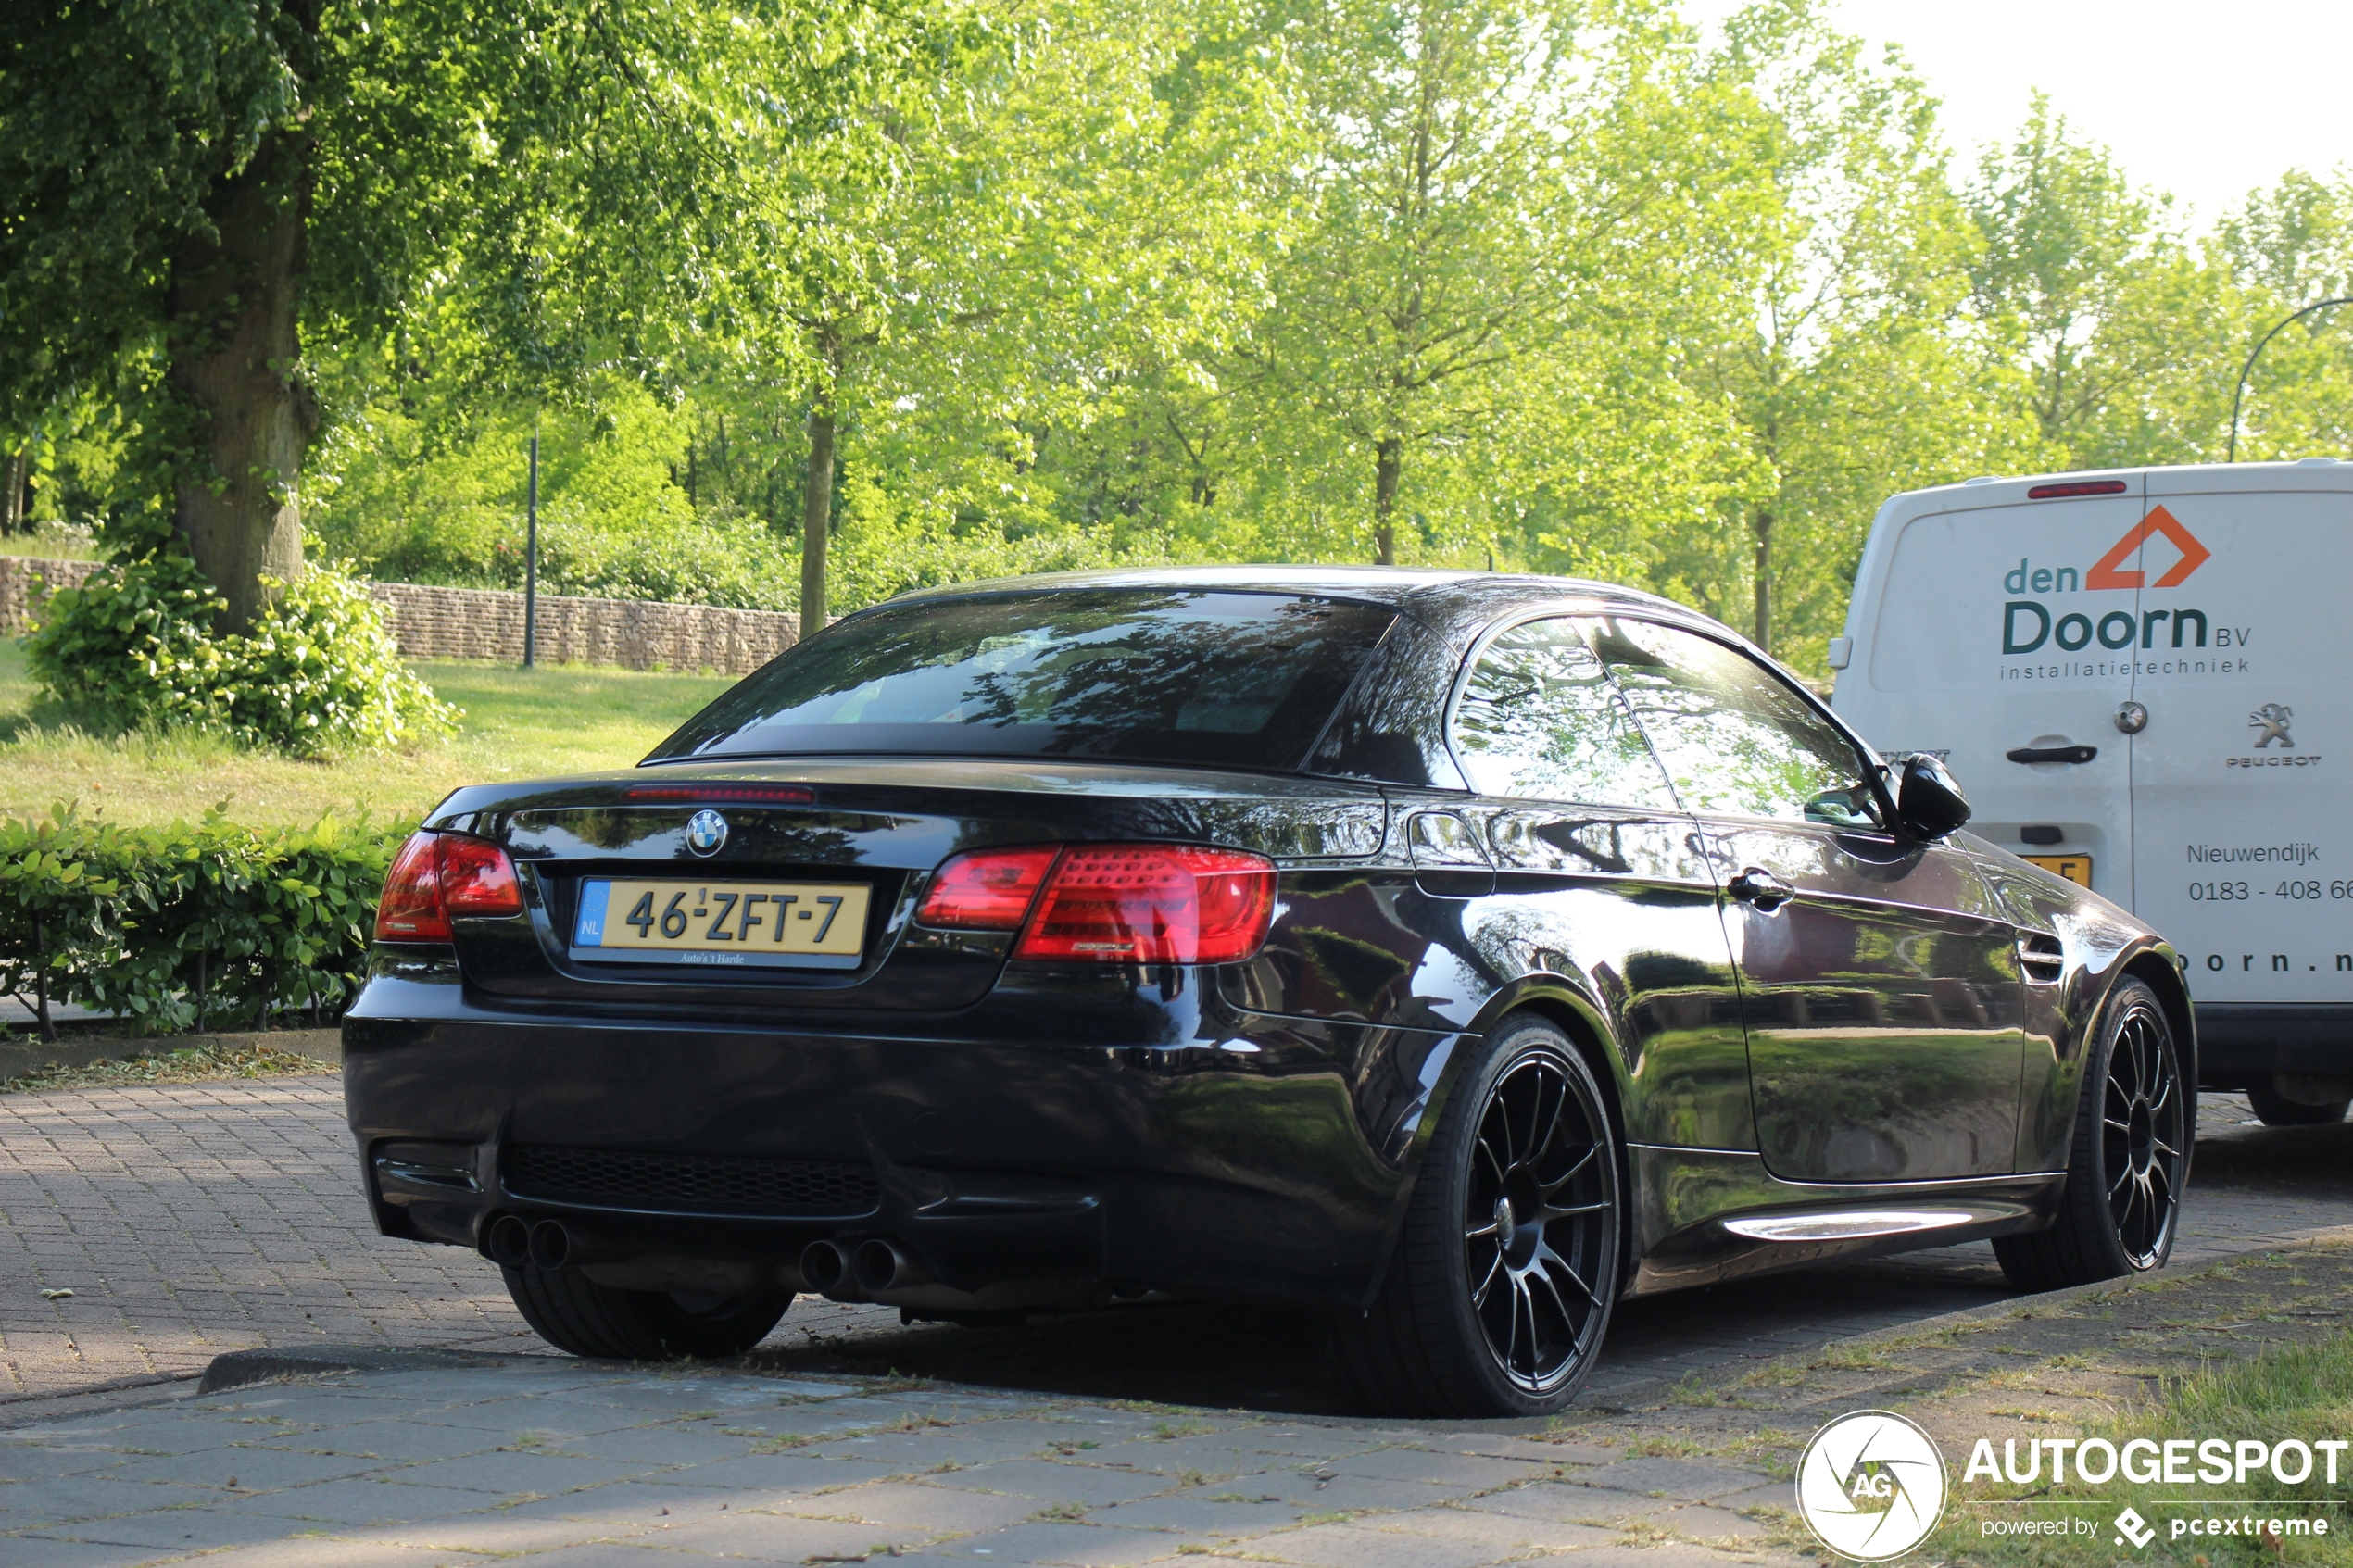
2144 679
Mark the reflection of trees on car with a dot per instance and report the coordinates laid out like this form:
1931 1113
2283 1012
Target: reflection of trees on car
1245 678
1732 738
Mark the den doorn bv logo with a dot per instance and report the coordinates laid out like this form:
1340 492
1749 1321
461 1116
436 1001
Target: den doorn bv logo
1872 1487
2049 621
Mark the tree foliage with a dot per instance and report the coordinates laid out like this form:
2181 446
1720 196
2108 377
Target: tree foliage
814 303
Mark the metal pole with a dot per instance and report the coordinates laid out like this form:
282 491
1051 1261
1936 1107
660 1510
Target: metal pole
531 561
2248 369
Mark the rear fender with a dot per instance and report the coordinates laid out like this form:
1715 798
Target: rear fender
1569 1006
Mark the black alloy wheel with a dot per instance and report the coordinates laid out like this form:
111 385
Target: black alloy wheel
1539 1214
1499 1295
2130 1161
2144 1144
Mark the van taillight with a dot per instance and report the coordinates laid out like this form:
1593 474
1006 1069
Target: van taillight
2076 487
1111 903
439 874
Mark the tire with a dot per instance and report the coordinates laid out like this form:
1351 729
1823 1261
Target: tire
577 1315
2275 1109
2129 1161
1499 1294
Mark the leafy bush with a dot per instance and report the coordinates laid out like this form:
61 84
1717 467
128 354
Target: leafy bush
189 925
134 644
318 673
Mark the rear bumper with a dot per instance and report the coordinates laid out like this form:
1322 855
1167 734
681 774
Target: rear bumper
2240 1040
1262 1157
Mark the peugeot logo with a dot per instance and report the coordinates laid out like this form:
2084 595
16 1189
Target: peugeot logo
706 833
2272 719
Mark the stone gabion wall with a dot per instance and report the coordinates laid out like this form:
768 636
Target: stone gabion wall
635 634
18 594
433 623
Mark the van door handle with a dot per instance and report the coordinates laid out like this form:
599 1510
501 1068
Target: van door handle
2054 754
1761 888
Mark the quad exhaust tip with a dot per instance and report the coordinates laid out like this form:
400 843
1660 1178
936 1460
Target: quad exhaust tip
514 1242
507 1242
878 1265
823 1268
550 1244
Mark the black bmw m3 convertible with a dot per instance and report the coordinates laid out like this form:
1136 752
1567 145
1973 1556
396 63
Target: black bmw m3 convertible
1457 954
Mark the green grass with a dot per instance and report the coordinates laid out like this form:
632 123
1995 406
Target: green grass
560 718
2305 1392
151 1061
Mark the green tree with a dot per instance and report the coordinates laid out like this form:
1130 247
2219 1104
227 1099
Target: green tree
545 186
1843 360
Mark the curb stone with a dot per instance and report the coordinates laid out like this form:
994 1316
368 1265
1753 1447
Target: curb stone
244 1369
18 1059
1944 1322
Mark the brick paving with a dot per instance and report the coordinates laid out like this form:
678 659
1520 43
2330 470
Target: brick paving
566 1465
192 1219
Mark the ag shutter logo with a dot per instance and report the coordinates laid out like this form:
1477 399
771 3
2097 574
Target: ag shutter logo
1870 1486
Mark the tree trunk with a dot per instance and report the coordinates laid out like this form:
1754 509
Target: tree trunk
1388 459
1762 526
234 295
816 515
12 503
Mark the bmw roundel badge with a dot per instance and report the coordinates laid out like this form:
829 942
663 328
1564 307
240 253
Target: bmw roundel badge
706 833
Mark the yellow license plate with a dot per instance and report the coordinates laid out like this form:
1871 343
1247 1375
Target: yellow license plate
2077 868
808 925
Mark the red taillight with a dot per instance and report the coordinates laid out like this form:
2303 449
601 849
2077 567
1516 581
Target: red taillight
1152 903
439 874
986 889
2076 487
477 878
723 795
410 908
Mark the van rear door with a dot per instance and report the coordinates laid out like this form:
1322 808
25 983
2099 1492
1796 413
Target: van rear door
2241 849
1977 634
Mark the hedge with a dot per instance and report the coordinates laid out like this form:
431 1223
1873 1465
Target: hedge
194 925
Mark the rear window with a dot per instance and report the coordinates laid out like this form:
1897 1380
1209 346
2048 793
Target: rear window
1248 680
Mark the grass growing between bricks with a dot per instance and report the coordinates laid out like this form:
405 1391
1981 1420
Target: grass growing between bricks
2304 1391
2260 1346
557 719
155 1064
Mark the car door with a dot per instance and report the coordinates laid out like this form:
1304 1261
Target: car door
1995 630
1597 870
2238 781
1880 986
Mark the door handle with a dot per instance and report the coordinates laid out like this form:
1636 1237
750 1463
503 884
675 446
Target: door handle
2054 754
1761 888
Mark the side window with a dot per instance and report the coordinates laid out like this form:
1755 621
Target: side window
1735 738
1538 719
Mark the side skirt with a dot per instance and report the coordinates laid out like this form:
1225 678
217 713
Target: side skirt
1702 1216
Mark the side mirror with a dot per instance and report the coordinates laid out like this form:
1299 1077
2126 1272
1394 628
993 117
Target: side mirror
1928 802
